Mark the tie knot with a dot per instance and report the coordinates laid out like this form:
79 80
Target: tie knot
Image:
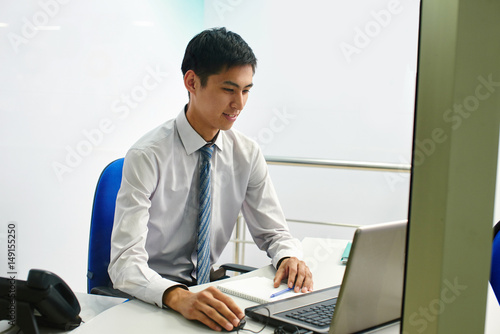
206 152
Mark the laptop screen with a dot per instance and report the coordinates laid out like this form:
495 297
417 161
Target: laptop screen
371 291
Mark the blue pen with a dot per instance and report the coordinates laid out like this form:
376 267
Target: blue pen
281 292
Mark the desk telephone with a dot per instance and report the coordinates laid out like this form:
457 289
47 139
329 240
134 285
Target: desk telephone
43 299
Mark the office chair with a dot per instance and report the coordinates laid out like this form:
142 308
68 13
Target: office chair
103 212
101 225
495 262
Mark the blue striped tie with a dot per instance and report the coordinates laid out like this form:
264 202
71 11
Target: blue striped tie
204 217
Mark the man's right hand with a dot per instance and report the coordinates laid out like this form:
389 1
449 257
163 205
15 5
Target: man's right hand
210 306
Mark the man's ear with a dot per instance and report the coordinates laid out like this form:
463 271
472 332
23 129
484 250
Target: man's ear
191 81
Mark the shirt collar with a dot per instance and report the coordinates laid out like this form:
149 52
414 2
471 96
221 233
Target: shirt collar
190 139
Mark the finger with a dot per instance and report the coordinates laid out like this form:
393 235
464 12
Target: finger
304 278
195 308
212 312
202 307
281 273
300 277
230 304
227 310
308 282
207 321
292 272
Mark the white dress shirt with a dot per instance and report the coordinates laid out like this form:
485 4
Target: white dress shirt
153 243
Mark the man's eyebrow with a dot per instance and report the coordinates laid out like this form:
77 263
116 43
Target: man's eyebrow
231 83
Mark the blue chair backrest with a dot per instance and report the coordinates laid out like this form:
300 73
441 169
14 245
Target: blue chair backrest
103 213
495 263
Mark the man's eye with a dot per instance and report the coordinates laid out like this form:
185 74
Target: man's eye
229 90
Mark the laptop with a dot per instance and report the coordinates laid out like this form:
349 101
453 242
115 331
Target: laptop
370 296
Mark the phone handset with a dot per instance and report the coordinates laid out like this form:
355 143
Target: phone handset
60 306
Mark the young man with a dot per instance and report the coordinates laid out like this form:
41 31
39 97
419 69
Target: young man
155 239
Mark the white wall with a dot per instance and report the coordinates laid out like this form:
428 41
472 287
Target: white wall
335 80
75 95
93 76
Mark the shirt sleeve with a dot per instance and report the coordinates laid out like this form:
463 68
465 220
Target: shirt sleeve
264 216
128 268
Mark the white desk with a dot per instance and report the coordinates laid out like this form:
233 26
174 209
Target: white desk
492 322
111 315
323 257
91 306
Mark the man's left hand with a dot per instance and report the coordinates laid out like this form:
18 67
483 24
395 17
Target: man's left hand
298 275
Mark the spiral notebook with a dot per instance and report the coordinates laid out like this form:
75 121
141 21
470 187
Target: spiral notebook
257 289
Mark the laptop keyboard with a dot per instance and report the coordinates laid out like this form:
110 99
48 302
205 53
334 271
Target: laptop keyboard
319 314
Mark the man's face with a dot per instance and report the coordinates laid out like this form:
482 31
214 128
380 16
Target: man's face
217 105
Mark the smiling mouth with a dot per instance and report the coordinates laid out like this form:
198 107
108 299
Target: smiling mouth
231 115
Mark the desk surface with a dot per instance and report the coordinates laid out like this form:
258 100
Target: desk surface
113 315
91 306
322 255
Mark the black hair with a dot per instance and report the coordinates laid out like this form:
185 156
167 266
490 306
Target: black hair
214 50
